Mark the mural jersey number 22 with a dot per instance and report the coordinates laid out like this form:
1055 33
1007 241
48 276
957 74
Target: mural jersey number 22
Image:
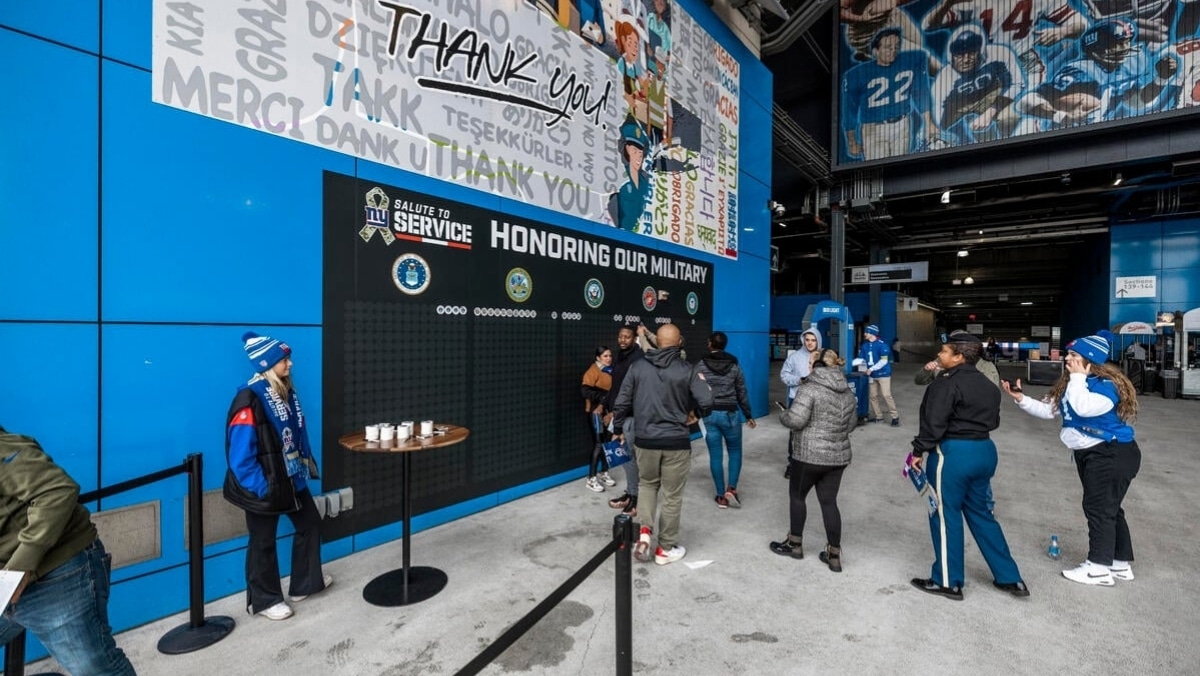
889 91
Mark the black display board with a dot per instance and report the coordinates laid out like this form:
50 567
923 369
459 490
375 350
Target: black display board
435 309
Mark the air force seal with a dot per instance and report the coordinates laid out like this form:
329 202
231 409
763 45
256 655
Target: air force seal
593 293
410 273
518 284
693 303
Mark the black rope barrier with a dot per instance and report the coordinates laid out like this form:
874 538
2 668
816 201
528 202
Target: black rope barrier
622 546
200 631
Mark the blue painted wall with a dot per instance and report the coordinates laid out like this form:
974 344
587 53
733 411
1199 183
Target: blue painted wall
1166 249
131 233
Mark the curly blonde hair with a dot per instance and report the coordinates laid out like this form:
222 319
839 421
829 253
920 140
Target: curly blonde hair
1127 405
828 357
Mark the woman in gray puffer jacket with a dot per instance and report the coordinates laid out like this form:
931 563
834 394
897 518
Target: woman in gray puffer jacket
823 414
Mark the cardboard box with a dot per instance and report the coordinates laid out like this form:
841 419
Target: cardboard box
1035 355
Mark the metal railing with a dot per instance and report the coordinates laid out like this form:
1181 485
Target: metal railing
200 631
622 546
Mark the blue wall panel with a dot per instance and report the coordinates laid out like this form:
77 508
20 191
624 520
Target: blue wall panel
755 221
48 180
50 392
225 227
1136 247
126 31
751 158
1168 250
73 22
1181 245
167 389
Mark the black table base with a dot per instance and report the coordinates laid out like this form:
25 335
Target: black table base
388 590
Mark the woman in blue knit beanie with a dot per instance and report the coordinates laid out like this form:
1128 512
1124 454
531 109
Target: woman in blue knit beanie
1098 405
270 462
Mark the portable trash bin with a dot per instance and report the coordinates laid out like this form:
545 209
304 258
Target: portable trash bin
861 384
1150 380
1170 380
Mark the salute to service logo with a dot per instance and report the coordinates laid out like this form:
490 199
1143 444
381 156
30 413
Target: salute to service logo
518 284
377 217
593 293
410 273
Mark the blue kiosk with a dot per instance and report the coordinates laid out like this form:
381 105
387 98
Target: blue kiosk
843 334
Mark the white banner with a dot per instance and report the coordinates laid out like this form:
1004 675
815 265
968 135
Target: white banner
625 115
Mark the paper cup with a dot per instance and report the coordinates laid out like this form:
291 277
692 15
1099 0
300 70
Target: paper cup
403 431
387 433
372 432
426 427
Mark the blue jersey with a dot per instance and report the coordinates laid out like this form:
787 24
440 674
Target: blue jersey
871 352
1117 90
872 93
976 91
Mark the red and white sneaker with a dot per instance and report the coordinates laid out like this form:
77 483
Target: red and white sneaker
663 557
641 550
731 496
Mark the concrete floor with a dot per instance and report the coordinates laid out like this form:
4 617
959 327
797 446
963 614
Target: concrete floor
752 612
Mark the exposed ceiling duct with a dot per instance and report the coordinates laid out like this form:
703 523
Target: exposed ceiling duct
779 40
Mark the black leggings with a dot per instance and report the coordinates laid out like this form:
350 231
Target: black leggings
827 480
1105 470
599 436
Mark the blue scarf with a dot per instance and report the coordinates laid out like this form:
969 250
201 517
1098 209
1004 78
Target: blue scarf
297 452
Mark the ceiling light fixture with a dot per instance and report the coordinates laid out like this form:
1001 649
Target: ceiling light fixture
956 281
1027 302
969 280
946 197
1118 179
958 303
963 253
1065 178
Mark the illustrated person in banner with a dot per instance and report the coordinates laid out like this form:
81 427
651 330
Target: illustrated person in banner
659 26
880 97
957 454
632 196
48 537
659 393
1098 405
1038 31
597 381
270 462
1108 83
864 19
591 21
629 65
978 90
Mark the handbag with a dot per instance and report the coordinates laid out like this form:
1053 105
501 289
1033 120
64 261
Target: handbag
616 453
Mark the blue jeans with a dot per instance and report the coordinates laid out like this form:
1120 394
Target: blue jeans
726 425
67 610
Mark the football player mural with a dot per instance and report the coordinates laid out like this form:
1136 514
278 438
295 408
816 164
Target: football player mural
919 75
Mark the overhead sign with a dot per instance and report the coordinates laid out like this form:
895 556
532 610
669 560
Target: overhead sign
890 272
1145 286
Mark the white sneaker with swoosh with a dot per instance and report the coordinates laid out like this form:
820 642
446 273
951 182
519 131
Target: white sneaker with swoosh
1090 573
1121 570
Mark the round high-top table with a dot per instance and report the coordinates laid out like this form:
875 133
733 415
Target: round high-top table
408 584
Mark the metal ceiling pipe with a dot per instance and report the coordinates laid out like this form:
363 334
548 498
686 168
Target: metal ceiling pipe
937 244
779 40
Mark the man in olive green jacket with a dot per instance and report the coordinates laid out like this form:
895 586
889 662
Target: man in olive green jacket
48 537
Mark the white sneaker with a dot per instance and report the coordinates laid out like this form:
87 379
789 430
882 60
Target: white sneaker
1121 570
328 583
279 611
672 555
1090 573
606 479
594 485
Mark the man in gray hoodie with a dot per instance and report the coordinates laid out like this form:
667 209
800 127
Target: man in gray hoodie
658 393
795 369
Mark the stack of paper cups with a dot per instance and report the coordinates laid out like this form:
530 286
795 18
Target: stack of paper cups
403 431
387 432
372 432
426 428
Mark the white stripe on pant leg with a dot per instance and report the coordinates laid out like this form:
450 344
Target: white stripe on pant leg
942 520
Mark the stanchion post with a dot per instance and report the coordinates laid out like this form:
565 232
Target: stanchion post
199 632
623 534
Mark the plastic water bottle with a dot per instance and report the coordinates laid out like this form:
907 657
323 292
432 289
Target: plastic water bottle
1053 551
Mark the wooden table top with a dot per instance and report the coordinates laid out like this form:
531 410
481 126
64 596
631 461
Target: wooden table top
358 443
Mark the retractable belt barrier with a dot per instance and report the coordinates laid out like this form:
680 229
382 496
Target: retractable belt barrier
200 631
622 546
